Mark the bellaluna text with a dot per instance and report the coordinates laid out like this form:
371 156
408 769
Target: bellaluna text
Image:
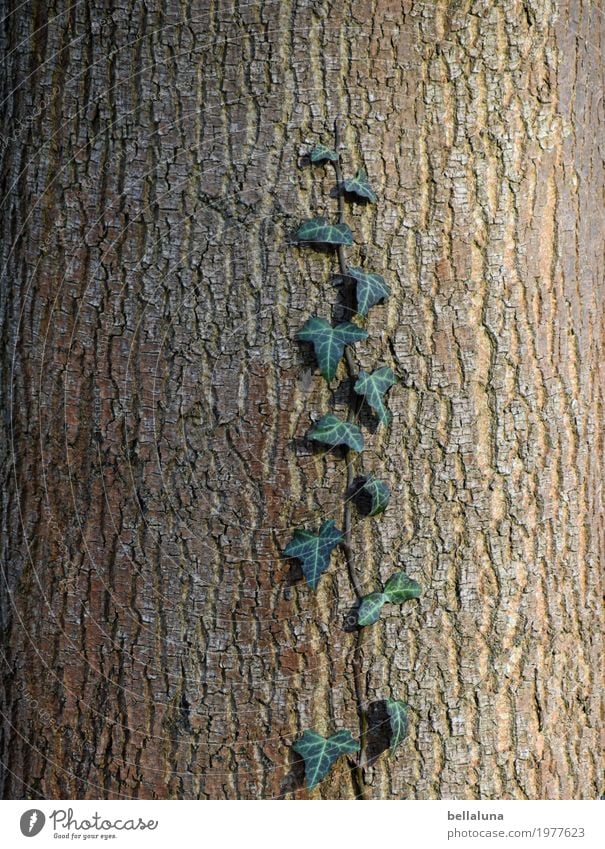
473 815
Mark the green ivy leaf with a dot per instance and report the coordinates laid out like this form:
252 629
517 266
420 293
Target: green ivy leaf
329 342
321 153
313 551
380 494
359 185
373 387
398 720
371 288
319 753
333 431
369 609
320 230
401 588
398 588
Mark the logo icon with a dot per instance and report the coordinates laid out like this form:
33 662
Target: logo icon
32 822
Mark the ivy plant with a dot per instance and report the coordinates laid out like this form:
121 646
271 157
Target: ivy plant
372 387
333 431
314 551
320 230
329 342
379 493
371 288
321 153
398 588
397 712
360 186
332 343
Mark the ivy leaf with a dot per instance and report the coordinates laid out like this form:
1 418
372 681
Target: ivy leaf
320 230
398 720
369 609
329 342
371 288
373 387
319 753
333 431
400 588
379 493
359 185
314 551
321 153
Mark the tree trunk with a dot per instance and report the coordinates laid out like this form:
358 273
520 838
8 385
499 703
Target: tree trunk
157 402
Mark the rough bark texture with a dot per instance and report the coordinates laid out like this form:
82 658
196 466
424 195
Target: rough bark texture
156 403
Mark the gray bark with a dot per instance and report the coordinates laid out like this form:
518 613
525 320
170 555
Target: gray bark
156 401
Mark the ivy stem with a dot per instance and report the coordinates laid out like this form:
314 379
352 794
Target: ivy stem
357 772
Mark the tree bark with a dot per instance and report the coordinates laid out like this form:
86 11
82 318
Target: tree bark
156 402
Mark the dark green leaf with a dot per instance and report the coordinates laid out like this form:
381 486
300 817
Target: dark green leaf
398 720
359 185
329 342
369 609
373 387
320 230
400 588
371 288
321 153
380 494
333 431
314 551
319 753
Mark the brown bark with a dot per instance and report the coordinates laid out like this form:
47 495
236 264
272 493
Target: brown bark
156 402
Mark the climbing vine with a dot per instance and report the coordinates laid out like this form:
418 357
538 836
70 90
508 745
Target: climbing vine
331 344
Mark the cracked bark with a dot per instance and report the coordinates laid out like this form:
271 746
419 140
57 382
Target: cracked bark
156 403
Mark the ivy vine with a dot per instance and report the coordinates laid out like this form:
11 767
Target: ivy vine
331 344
